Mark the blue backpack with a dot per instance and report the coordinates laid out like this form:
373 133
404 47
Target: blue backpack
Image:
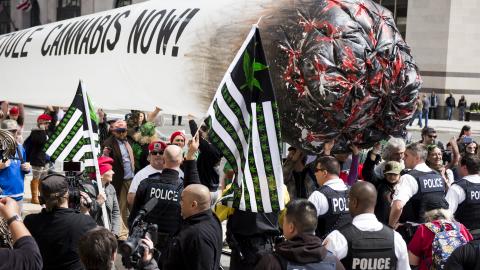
444 242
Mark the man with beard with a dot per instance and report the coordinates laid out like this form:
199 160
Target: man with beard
122 154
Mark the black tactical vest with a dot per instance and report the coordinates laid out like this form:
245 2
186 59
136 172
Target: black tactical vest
337 214
166 213
430 185
468 212
369 250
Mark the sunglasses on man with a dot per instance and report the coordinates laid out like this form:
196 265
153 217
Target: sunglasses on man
157 153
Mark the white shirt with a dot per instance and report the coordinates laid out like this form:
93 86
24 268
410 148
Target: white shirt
140 176
408 186
336 243
320 201
456 195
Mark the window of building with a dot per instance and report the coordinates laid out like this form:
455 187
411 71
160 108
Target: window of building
5 25
399 11
122 3
67 9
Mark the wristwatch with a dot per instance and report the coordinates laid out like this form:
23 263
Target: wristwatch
15 217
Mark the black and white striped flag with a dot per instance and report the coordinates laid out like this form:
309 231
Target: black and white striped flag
244 125
71 138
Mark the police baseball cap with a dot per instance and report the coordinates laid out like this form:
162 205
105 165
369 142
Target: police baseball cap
393 167
53 186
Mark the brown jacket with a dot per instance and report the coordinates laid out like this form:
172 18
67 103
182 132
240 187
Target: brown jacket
117 167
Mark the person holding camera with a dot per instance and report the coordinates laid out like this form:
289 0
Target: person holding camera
167 187
98 251
57 228
25 253
198 244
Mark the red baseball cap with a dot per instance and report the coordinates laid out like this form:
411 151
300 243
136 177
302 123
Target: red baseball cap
157 146
44 117
14 110
175 134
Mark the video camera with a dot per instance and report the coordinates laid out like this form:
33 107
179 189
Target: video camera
73 174
132 250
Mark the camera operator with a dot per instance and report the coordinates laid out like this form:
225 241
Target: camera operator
57 228
98 250
167 187
25 253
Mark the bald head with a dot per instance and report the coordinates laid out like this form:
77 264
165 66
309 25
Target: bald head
195 199
363 197
172 156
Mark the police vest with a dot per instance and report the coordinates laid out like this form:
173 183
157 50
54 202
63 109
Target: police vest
468 212
369 250
328 263
430 185
337 214
166 213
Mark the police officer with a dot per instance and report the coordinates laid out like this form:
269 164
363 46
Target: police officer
365 243
248 233
463 196
418 184
167 188
331 199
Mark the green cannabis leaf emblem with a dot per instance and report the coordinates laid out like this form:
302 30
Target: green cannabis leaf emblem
249 69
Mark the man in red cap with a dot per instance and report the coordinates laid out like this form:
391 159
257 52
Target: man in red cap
155 157
178 138
15 113
36 155
121 152
108 196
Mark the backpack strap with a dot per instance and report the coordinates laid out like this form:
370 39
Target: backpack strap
432 227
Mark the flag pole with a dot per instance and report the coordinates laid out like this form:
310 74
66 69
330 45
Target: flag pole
106 223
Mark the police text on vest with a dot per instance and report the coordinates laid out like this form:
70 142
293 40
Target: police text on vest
371 263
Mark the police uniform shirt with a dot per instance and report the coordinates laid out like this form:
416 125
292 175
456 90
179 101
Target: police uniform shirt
320 201
336 243
456 195
408 186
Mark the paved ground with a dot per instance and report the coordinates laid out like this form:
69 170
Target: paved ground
445 130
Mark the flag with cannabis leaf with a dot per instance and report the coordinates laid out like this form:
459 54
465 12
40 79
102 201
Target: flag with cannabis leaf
243 124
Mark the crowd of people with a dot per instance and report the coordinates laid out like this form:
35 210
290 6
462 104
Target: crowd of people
392 206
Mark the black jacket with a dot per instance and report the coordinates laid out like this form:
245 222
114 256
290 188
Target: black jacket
198 244
207 160
57 234
167 176
301 249
36 154
465 257
24 255
385 189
